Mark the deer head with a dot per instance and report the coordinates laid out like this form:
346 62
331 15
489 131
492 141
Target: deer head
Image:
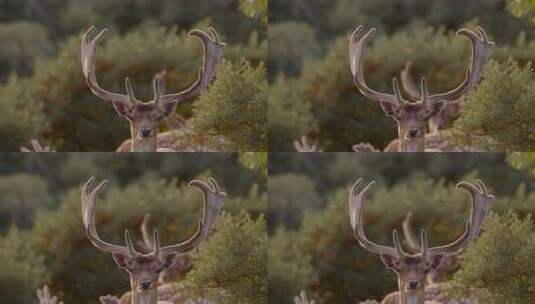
412 117
145 117
144 269
482 48
411 268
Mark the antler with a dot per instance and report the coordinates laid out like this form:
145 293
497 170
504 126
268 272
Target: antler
408 233
481 202
213 202
356 202
213 52
89 49
357 50
481 48
109 299
45 297
303 145
303 299
88 199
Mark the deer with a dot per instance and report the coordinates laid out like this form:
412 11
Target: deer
145 117
303 145
302 298
144 268
412 268
45 297
412 116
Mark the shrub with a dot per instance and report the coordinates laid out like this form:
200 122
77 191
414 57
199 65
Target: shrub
235 106
234 260
497 264
501 110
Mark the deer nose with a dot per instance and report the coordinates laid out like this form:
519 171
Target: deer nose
145 285
146 132
413 133
413 284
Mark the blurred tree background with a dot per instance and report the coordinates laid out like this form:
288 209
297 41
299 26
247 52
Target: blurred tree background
42 239
43 94
311 246
312 92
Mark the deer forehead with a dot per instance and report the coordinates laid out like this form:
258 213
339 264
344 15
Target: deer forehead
145 108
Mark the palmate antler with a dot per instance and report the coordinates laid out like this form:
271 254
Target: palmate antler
303 299
357 50
213 202
45 297
481 47
213 52
357 197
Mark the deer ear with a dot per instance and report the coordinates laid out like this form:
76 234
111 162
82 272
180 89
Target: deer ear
123 109
434 262
390 262
390 108
433 108
167 109
168 260
121 260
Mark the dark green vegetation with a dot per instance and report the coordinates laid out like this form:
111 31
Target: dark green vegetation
311 246
42 239
313 93
43 94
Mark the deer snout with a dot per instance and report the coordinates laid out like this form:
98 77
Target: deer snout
411 285
413 133
145 285
145 132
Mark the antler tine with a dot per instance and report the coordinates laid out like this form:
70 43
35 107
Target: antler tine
357 50
397 91
424 90
481 202
88 52
356 202
88 199
130 90
408 84
481 48
303 299
213 52
408 233
156 82
397 244
156 242
129 244
423 242
213 202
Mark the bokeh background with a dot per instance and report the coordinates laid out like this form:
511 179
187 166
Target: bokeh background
43 94
311 246
42 239
311 91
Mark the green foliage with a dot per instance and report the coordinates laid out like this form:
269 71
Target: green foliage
27 42
522 9
22 270
289 196
23 195
523 161
501 110
289 117
234 260
290 43
255 9
498 264
289 267
257 162
235 106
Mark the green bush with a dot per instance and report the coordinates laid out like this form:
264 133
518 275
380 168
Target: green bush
234 106
498 264
501 110
234 260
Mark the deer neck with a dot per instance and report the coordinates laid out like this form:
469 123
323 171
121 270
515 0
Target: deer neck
411 297
411 145
143 144
143 297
